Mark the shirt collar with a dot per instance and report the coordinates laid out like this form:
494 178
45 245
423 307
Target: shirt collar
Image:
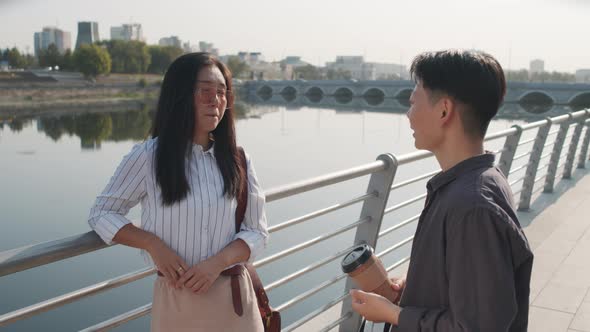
464 167
211 151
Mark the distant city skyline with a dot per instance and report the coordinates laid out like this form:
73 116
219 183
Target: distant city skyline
318 31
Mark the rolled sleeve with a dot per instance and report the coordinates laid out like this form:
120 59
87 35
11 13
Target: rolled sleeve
124 190
254 229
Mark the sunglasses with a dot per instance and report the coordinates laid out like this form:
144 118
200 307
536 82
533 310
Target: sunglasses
207 92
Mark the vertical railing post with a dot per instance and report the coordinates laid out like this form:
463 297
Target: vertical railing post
571 154
373 208
510 146
585 144
555 154
531 170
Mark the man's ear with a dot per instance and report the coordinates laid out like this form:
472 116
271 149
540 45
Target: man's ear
447 109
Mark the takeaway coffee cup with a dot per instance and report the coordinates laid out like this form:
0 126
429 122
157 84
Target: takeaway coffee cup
368 272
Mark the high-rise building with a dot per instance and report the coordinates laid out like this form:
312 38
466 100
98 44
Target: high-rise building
537 66
131 31
87 33
117 33
170 41
51 35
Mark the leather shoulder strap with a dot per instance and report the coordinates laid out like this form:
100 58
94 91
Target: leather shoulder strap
261 295
243 190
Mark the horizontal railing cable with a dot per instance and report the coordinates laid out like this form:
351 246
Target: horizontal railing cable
319 213
309 243
120 319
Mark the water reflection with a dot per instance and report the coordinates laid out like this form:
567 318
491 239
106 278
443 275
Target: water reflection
314 95
581 101
536 108
19 124
374 97
96 126
343 96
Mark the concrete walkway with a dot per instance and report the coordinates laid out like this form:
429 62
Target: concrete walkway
560 237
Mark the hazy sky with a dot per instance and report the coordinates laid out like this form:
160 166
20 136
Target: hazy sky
557 31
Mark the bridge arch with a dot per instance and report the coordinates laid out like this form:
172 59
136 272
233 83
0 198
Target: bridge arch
265 92
536 97
374 96
536 102
580 101
403 97
343 95
289 93
314 94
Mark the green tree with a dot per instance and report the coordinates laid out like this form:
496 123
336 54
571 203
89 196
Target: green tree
30 61
521 75
162 57
50 57
338 74
308 72
15 59
93 127
92 60
237 66
67 61
132 57
131 125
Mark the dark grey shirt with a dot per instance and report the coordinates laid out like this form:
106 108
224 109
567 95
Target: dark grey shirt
471 263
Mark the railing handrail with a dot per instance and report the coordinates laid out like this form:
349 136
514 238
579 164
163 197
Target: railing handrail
20 259
27 257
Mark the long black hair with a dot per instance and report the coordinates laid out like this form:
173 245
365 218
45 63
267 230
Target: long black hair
174 126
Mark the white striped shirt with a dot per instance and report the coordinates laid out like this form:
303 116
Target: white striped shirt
197 227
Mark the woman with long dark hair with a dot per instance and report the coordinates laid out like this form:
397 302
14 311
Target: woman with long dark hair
187 179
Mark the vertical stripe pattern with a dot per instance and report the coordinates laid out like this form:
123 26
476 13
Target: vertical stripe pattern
196 228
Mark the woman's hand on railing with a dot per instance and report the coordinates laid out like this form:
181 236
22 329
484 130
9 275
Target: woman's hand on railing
167 261
398 287
200 277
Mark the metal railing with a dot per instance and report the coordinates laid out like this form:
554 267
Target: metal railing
368 224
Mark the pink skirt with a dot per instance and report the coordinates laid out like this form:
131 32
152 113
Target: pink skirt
183 310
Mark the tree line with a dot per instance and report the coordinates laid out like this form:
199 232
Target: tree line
101 58
136 57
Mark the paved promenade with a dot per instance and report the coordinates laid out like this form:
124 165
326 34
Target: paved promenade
560 236
558 229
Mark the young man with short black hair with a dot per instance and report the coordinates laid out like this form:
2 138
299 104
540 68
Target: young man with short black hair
470 264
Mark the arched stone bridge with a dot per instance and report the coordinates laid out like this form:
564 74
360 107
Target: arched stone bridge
378 93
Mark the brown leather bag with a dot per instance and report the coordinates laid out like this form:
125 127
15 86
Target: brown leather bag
271 319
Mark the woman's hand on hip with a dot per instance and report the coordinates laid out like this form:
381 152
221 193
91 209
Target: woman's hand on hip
167 261
200 277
